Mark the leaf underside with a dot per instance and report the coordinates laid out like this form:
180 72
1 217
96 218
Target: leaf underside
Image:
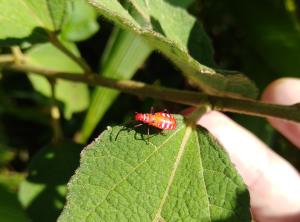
181 38
183 175
22 21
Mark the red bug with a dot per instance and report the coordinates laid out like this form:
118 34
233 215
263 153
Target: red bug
161 120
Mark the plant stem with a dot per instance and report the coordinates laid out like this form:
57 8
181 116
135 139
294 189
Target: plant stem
226 104
17 53
7 58
57 43
55 114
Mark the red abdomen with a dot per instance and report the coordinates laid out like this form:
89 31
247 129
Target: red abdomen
159 120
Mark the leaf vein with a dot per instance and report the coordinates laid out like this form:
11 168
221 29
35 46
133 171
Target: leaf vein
217 172
204 182
173 172
132 171
33 13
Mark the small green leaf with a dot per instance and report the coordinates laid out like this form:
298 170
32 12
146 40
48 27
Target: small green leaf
183 175
42 194
75 96
81 21
181 38
28 20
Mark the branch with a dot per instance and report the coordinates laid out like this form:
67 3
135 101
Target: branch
242 106
7 58
55 41
17 53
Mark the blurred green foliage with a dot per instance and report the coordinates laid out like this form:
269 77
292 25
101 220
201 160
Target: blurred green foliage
260 38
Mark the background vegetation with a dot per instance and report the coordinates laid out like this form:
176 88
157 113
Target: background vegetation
45 123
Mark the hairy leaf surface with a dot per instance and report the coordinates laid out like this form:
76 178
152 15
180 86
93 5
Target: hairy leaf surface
181 38
183 175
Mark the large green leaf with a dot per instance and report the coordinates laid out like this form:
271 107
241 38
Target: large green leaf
75 96
184 175
81 21
42 194
28 19
180 37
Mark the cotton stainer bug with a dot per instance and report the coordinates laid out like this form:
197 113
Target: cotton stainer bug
161 120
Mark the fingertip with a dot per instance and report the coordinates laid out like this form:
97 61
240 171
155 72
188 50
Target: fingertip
271 180
285 91
242 146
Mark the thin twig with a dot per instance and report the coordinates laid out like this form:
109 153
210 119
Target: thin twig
55 114
17 53
57 43
242 106
7 58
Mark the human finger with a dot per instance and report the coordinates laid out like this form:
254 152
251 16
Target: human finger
285 91
272 182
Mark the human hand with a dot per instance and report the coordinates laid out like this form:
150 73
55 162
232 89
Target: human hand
273 183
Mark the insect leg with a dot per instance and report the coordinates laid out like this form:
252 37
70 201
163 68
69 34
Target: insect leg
122 129
152 110
138 125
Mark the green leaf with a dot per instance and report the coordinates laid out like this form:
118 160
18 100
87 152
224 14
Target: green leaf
181 38
75 96
10 208
42 194
123 56
81 21
28 20
11 180
183 175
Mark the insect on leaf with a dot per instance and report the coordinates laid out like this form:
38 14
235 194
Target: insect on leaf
183 175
